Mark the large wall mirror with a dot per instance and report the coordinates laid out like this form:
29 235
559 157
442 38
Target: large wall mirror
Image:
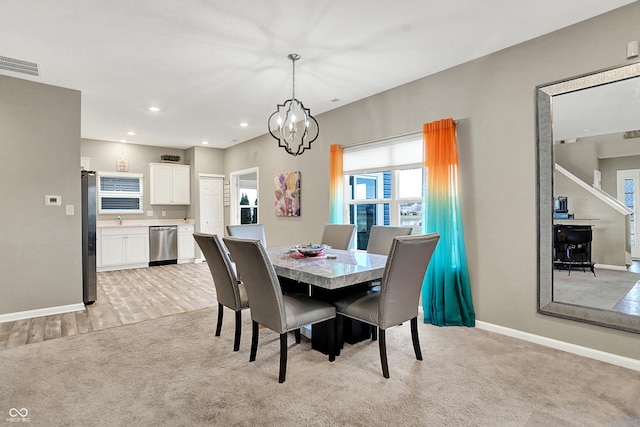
588 194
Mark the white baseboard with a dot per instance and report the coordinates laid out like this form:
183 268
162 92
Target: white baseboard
611 267
614 359
11 317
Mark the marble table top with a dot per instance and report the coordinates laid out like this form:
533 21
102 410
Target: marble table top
348 268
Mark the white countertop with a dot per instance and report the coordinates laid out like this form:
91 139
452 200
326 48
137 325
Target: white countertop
143 222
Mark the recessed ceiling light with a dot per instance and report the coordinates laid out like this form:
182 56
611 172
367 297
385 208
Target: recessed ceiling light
244 124
205 142
131 133
154 109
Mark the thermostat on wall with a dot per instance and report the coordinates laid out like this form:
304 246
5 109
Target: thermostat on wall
50 200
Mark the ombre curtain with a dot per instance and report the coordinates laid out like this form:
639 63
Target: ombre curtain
446 291
336 187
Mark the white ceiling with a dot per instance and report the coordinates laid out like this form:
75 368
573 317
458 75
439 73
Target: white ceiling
210 65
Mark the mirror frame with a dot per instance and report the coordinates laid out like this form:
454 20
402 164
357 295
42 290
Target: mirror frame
545 173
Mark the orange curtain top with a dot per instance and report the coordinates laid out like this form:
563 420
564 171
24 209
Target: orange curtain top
440 147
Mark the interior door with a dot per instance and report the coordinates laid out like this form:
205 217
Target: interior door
211 206
629 194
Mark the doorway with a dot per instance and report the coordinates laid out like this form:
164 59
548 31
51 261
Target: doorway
628 183
243 207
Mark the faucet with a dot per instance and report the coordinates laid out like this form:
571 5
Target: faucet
120 219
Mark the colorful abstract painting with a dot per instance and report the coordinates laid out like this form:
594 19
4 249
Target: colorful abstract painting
287 194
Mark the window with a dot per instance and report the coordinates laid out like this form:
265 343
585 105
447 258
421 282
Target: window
630 202
120 192
248 208
244 197
383 185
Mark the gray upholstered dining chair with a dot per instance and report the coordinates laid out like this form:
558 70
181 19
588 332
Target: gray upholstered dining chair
381 237
230 292
338 236
269 306
380 240
397 300
248 231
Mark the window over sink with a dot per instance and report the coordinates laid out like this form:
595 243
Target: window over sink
120 192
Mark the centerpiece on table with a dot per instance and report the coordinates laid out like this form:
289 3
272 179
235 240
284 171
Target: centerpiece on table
310 249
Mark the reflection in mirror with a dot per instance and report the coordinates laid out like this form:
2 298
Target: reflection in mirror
589 183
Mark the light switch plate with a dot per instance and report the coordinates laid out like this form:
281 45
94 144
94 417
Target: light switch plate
69 209
149 213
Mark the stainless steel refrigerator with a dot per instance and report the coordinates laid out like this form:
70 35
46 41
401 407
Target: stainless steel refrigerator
89 201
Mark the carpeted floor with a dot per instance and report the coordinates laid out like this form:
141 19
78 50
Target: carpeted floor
172 371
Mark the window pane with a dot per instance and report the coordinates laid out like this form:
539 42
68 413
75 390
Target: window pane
410 183
370 186
411 215
364 216
250 198
630 201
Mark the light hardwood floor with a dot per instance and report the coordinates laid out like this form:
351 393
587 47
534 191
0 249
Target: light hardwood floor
124 296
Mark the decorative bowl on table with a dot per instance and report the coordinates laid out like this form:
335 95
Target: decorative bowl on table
309 250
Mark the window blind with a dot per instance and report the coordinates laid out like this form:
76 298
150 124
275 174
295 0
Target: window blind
390 153
119 183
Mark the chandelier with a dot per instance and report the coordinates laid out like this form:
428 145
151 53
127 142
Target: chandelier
292 124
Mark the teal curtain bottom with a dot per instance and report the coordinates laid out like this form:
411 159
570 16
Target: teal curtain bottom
446 293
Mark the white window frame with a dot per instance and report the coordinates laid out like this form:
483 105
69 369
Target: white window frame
120 194
395 202
236 194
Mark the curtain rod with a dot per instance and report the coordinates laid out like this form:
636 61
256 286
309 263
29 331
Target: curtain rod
371 141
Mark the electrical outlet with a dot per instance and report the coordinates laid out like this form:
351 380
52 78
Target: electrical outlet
164 213
149 213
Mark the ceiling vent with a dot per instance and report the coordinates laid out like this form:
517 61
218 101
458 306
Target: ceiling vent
631 134
19 66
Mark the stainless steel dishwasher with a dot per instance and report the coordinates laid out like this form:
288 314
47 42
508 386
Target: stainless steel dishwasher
163 245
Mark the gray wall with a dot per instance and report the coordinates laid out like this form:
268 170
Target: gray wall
493 98
610 168
105 154
579 158
204 161
40 246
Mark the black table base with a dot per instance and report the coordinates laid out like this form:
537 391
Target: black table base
353 331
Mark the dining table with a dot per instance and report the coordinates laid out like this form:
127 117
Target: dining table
329 276
333 269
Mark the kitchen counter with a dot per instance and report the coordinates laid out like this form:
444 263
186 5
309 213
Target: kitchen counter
143 222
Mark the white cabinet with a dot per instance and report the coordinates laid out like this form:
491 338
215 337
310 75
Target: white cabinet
169 184
186 243
122 247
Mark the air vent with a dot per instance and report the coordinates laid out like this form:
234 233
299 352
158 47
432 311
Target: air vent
19 66
631 134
